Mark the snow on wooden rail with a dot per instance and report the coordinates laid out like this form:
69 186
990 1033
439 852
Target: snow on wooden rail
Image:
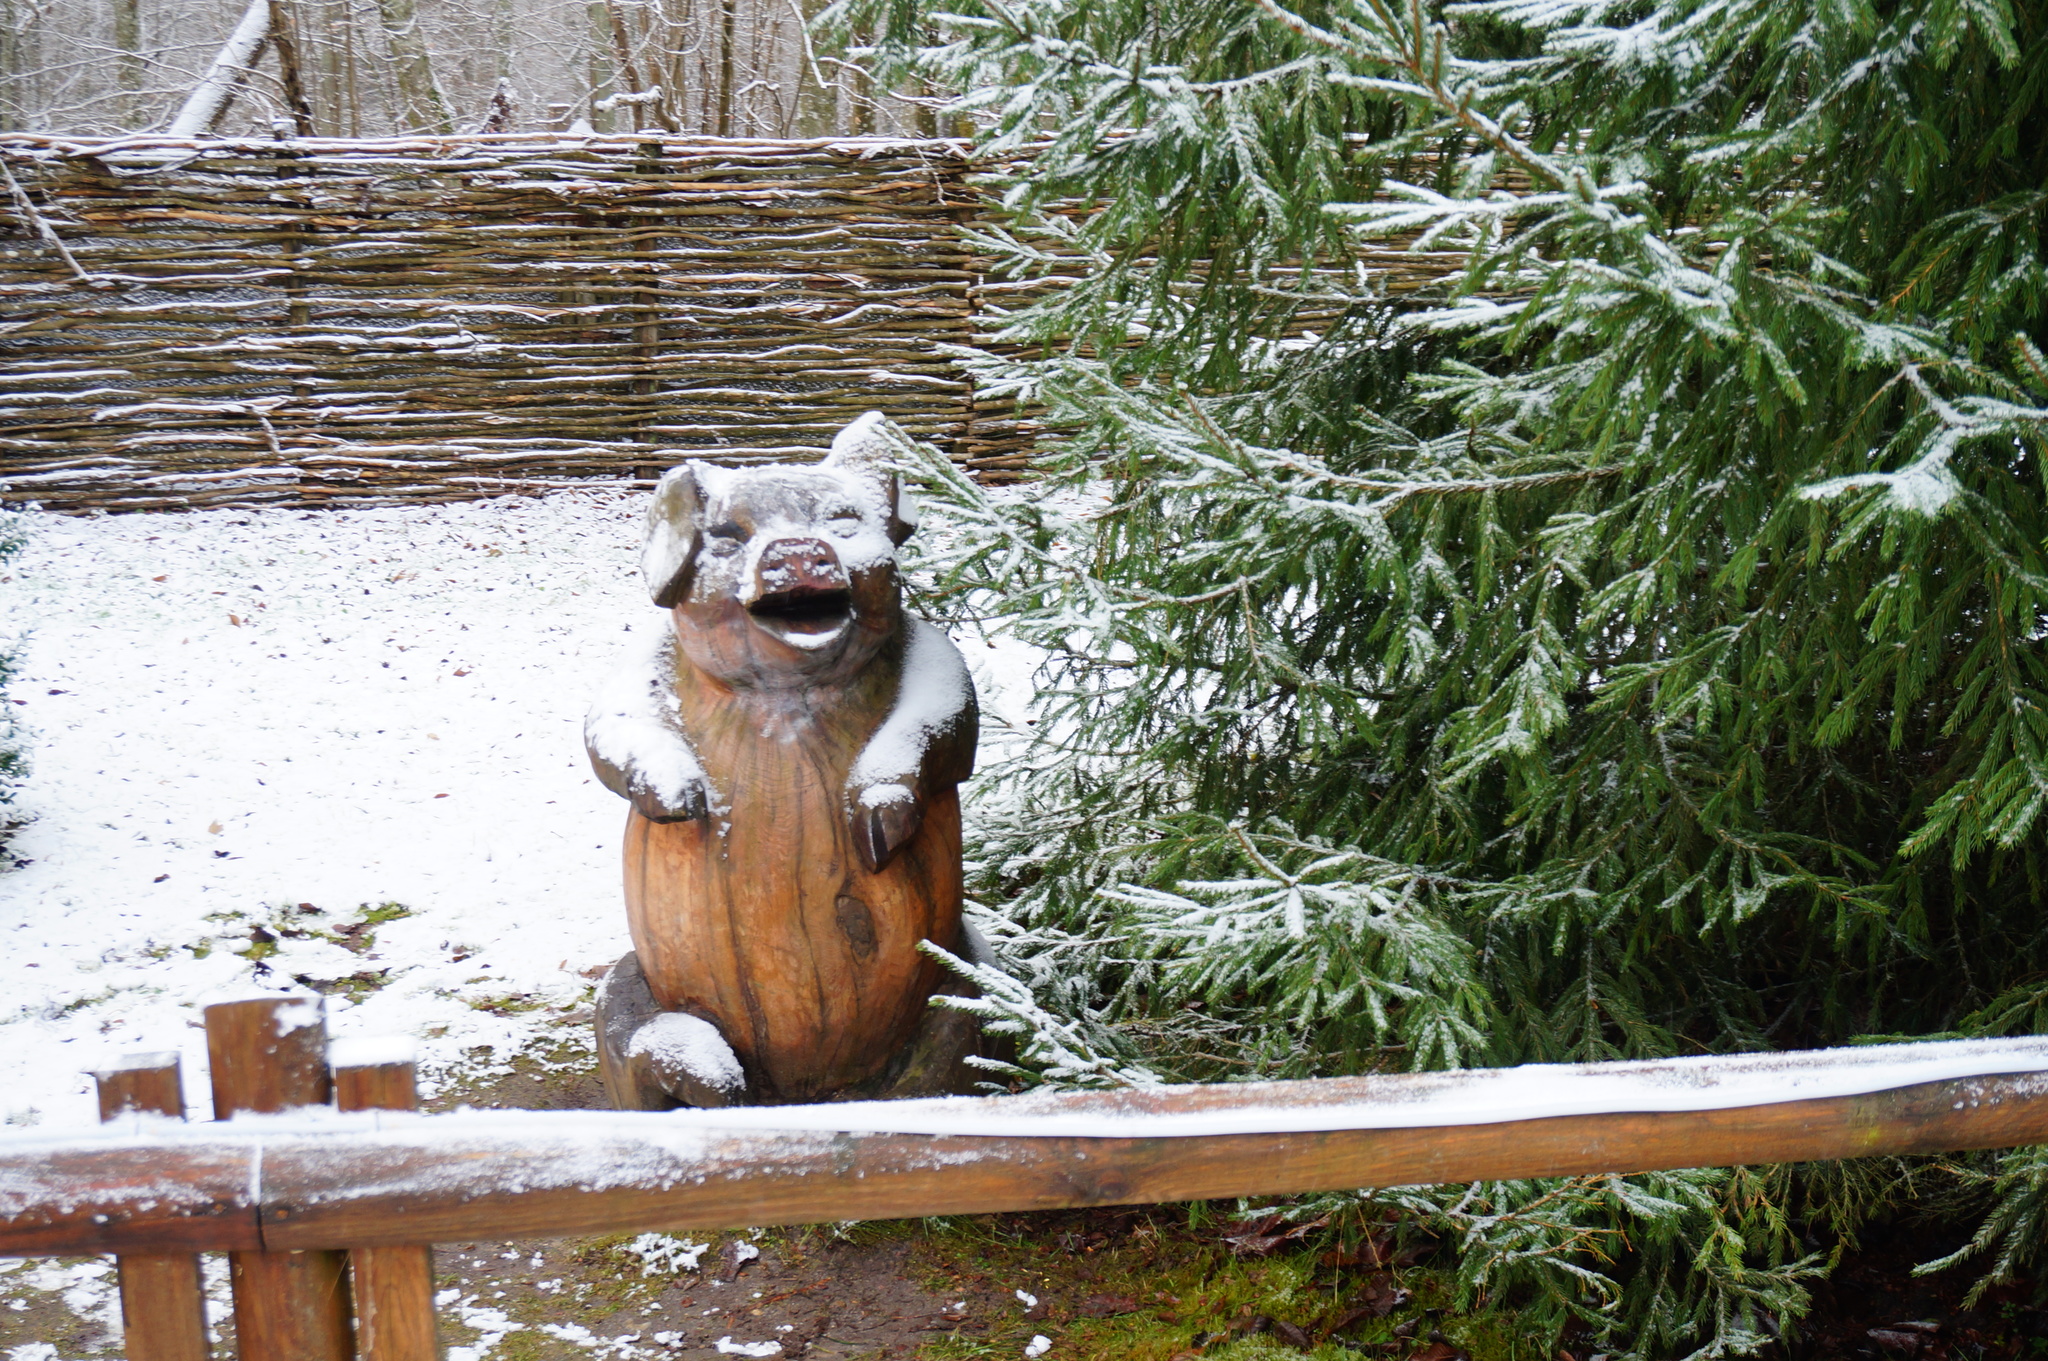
310 1179
235 322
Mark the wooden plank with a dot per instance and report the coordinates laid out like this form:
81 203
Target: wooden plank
147 1084
163 1299
337 1180
163 1307
133 1198
269 1055
394 1285
313 1197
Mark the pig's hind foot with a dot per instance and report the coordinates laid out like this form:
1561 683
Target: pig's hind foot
655 1060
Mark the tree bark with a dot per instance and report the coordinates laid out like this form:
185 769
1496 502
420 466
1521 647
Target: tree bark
128 64
210 98
817 98
421 104
284 37
603 75
728 23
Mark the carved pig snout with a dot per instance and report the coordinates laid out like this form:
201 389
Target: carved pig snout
797 567
801 593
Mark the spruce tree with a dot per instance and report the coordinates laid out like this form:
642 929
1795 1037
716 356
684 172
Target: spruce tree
1625 638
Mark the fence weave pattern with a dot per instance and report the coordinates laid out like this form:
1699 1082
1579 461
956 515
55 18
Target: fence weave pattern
237 323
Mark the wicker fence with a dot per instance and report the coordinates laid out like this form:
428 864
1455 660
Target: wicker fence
236 323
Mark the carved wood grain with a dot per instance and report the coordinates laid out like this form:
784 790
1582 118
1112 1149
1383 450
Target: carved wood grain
762 919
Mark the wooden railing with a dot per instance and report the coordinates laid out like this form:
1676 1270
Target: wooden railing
327 1211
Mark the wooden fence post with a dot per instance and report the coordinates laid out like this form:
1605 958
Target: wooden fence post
270 1054
163 1303
394 1285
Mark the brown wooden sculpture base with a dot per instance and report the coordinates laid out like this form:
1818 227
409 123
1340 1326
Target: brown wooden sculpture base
932 1063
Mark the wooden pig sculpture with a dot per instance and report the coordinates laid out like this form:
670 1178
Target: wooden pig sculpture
790 747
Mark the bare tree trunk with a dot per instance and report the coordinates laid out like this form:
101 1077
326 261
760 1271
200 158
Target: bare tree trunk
128 61
677 50
352 94
728 22
324 62
284 37
860 92
421 105
603 79
501 42
18 51
817 101
643 38
622 62
216 89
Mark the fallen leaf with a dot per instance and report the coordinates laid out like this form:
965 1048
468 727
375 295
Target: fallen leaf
1378 1300
440 796
160 878
735 1256
1292 1335
214 827
1107 1306
165 577
462 672
1437 1351
1262 1237
235 620
1381 1298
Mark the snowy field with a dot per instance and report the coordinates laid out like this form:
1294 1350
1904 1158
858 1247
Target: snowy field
341 750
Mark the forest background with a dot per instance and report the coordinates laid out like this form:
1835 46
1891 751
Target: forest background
1628 641
376 68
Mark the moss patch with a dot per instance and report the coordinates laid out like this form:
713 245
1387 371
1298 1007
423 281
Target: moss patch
1161 1283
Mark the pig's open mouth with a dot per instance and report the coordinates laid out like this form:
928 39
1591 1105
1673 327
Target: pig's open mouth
804 616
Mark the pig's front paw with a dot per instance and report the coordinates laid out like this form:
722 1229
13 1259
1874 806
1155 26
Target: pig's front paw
684 802
885 816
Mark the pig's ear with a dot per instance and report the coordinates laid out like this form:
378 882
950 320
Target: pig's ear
873 446
668 552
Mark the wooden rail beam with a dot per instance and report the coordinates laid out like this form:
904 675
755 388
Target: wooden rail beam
331 1180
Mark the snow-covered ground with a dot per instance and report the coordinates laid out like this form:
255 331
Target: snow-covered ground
342 747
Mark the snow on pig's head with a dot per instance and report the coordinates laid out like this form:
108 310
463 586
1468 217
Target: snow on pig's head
783 575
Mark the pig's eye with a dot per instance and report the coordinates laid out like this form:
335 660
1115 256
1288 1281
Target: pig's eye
844 523
726 538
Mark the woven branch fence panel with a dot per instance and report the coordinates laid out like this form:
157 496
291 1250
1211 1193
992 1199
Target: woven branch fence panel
237 323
